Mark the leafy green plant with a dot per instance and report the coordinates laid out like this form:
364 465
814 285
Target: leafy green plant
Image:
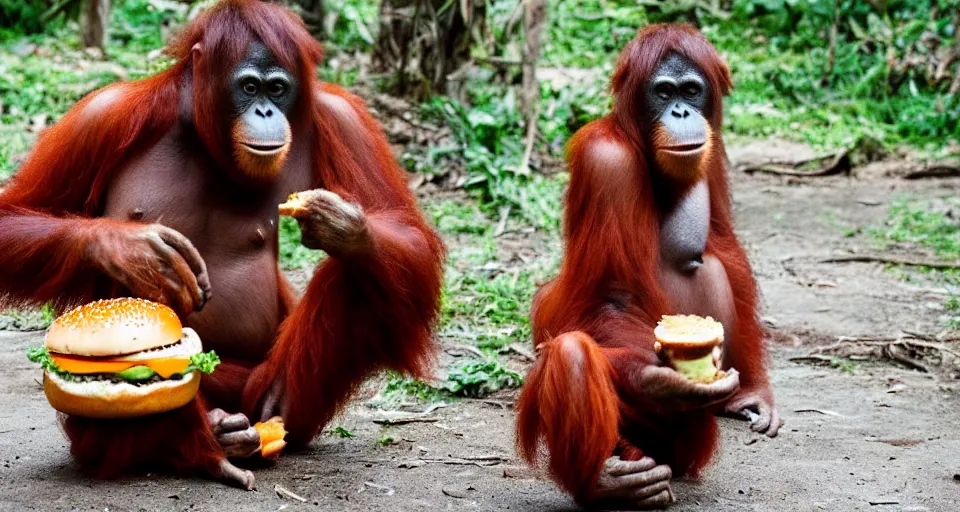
293 254
342 433
398 385
482 378
471 380
844 365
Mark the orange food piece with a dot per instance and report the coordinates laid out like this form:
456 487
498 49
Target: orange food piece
165 367
271 436
272 449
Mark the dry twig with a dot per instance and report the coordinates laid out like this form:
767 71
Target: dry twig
283 492
893 260
933 171
406 420
895 349
839 164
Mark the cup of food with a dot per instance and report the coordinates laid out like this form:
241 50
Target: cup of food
688 342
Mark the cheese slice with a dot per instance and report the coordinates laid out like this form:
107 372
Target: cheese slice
165 367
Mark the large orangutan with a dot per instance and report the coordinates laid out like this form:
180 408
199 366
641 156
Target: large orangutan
648 233
167 189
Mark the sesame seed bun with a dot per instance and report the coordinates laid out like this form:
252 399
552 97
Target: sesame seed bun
111 400
114 327
689 333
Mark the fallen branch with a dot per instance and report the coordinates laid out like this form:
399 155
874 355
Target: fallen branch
889 352
821 411
839 164
405 420
892 260
934 171
499 403
483 461
459 462
889 348
813 358
283 492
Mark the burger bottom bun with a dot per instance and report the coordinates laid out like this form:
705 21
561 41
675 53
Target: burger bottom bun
111 400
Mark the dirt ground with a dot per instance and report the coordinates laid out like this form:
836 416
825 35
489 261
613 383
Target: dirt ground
879 438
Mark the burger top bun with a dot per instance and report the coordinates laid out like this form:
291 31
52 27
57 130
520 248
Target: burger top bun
688 331
114 327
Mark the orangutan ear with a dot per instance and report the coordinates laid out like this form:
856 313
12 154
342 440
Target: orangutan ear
196 51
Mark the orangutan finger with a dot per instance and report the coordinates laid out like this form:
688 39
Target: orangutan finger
193 259
246 436
647 478
232 423
615 466
661 500
648 491
242 477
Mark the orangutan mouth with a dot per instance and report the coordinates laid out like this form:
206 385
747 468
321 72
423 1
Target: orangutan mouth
265 149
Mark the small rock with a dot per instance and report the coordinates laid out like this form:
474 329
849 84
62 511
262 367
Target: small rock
896 388
455 492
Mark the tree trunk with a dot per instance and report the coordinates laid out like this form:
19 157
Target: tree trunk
421 43
534 20
93 23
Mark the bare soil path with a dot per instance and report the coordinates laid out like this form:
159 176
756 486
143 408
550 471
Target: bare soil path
881 438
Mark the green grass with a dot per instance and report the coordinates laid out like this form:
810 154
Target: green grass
932 226
929 224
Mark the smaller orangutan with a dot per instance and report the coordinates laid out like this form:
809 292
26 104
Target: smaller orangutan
648 233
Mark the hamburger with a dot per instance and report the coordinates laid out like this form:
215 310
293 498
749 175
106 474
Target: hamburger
295 206
121 358
688 343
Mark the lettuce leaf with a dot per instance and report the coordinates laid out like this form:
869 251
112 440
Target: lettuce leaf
41 356
204 362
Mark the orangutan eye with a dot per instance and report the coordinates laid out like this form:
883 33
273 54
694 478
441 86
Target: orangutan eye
665 90
250 87
277 88
691 89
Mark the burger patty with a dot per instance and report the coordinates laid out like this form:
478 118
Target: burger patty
113 377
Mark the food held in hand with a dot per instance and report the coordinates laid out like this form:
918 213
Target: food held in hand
295 206
121 358
688 342
271 436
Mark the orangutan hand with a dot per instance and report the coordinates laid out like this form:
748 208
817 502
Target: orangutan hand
236 436
670 391
633 485
153 262
333 224
756 406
